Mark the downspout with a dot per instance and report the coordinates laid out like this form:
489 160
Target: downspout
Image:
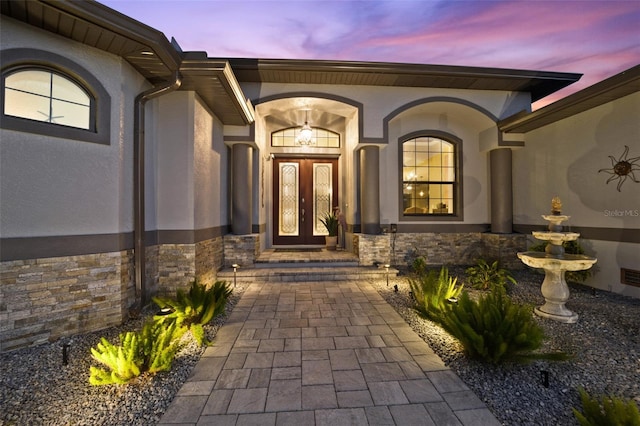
138 183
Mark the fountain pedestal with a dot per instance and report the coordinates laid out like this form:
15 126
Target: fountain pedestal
554 287
555 263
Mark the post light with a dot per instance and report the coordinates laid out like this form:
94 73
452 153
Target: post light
235 267
65 353
544 375
386 267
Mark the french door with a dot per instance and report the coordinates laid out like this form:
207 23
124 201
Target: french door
304 190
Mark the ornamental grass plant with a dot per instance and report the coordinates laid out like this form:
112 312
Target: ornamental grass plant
196 307
433 291
606 411
494 329
150 350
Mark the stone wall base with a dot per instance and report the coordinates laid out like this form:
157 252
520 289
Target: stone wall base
241 249
171 267
439 248
45 299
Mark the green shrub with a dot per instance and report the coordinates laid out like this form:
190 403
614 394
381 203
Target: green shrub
433 291
609 411
487 276
196 307
570 247
419 265
494 328
150 350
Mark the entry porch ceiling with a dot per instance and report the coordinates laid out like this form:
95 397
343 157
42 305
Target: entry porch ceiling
145 48
538 83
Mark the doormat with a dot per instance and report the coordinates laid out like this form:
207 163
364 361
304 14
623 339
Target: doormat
298 250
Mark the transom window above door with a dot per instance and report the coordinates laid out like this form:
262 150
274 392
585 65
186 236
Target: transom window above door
46 96
321 138
429 177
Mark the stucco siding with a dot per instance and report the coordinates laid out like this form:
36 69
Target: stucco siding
563 159
51 186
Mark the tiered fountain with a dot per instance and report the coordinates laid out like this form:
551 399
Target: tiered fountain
555 263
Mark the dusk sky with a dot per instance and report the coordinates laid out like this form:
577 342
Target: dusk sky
595 38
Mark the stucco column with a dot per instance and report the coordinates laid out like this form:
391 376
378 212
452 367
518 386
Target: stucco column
370 189
501 191
242 189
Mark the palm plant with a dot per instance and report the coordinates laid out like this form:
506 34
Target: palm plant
330 221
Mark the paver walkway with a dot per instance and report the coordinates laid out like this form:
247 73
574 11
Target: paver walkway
321 353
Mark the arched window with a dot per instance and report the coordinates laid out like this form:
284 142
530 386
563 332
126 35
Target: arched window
320 138
47 94
44 95
429 177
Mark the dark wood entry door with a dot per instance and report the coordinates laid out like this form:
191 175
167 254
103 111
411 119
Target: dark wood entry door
304 190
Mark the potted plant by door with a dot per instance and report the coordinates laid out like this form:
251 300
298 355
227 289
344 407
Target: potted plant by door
330 221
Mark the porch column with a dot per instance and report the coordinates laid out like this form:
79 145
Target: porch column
241 189
370 189
501 191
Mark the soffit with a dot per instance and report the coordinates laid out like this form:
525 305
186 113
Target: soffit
216 85
145 48
538 83
96 25
618 86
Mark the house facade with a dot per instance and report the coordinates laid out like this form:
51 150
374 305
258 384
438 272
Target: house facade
129 167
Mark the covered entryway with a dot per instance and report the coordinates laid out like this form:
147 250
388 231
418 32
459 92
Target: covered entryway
304 190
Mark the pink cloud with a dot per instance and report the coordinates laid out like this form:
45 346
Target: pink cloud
596 38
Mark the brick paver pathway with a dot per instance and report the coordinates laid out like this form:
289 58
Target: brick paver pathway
321 353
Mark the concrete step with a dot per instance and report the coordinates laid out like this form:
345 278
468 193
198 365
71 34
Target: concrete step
294 272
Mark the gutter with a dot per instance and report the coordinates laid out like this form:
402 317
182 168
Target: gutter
142 296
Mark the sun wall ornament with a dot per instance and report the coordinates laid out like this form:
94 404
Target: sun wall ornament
622 168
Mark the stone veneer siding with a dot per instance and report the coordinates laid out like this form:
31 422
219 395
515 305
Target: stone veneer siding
170 267
46 299
439 248
209 259
241 249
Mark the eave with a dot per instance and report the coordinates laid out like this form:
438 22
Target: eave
618 86
538 83
145 48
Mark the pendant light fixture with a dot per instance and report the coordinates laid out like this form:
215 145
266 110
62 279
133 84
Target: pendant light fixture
305 135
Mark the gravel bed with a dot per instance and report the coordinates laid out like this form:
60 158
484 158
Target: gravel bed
36 388
604 344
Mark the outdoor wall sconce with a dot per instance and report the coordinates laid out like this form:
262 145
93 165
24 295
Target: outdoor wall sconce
622 168
235 267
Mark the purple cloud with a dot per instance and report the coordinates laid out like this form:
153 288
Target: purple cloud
597 39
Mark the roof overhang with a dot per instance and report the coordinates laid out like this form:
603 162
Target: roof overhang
145 48
217 86
618 86
538 83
